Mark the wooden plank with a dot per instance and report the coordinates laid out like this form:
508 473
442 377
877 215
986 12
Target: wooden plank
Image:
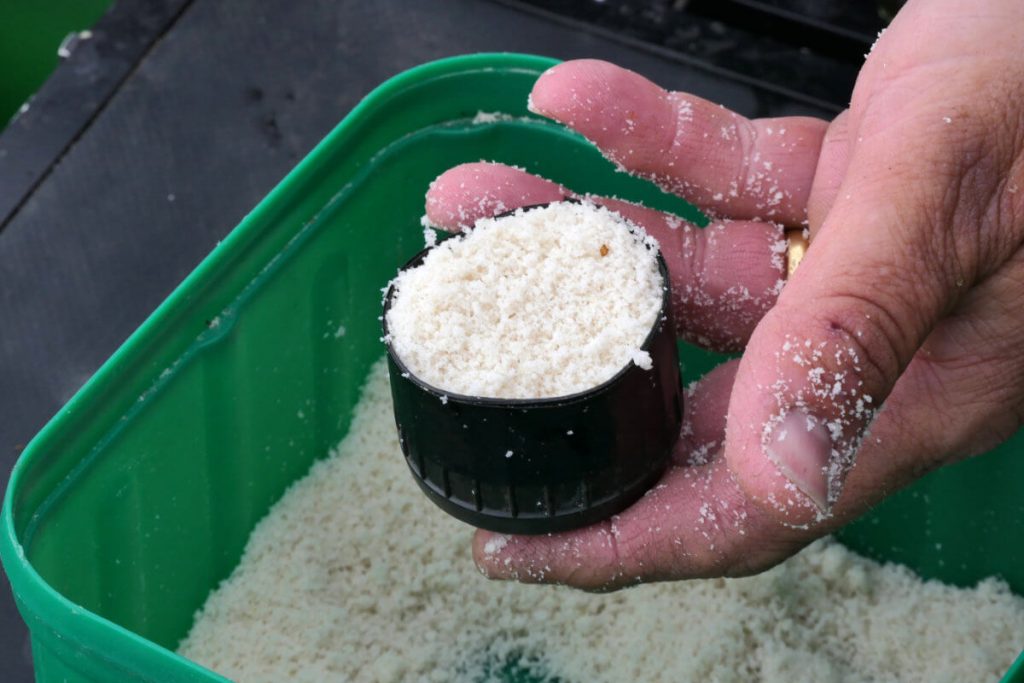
99 61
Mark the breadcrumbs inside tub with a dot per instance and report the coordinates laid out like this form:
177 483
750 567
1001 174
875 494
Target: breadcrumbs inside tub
343 581
545 302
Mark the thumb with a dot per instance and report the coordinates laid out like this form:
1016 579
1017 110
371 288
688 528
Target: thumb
819 365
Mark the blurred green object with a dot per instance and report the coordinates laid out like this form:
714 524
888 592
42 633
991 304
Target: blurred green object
30 33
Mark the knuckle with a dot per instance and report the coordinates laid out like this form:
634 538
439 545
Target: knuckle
1006 208
952 174
929 253
878 338
847 335
754 177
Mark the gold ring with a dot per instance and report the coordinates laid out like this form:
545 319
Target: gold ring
796 248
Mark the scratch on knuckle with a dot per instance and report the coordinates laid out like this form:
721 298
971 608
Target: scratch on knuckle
877 336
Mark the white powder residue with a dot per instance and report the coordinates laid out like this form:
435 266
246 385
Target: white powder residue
355 576
490 117
482 118
485 117
429 236
495 544
546 302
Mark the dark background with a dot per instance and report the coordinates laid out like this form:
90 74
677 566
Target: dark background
153 139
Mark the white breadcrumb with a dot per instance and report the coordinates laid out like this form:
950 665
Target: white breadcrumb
429 236
542 303
355 576
496 544
488 117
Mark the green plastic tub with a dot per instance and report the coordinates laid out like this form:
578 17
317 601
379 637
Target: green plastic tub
138 497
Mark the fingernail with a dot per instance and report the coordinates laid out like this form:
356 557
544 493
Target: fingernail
800 447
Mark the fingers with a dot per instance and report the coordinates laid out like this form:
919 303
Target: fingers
728 164
869 292
724 277
704 408
832 163
695 523
959 396
467 193
681 528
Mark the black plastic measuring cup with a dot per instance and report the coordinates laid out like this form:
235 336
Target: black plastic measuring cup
534 466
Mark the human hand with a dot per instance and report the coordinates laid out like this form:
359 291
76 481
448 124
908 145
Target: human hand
893 350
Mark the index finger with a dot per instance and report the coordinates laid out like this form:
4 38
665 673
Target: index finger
719 160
